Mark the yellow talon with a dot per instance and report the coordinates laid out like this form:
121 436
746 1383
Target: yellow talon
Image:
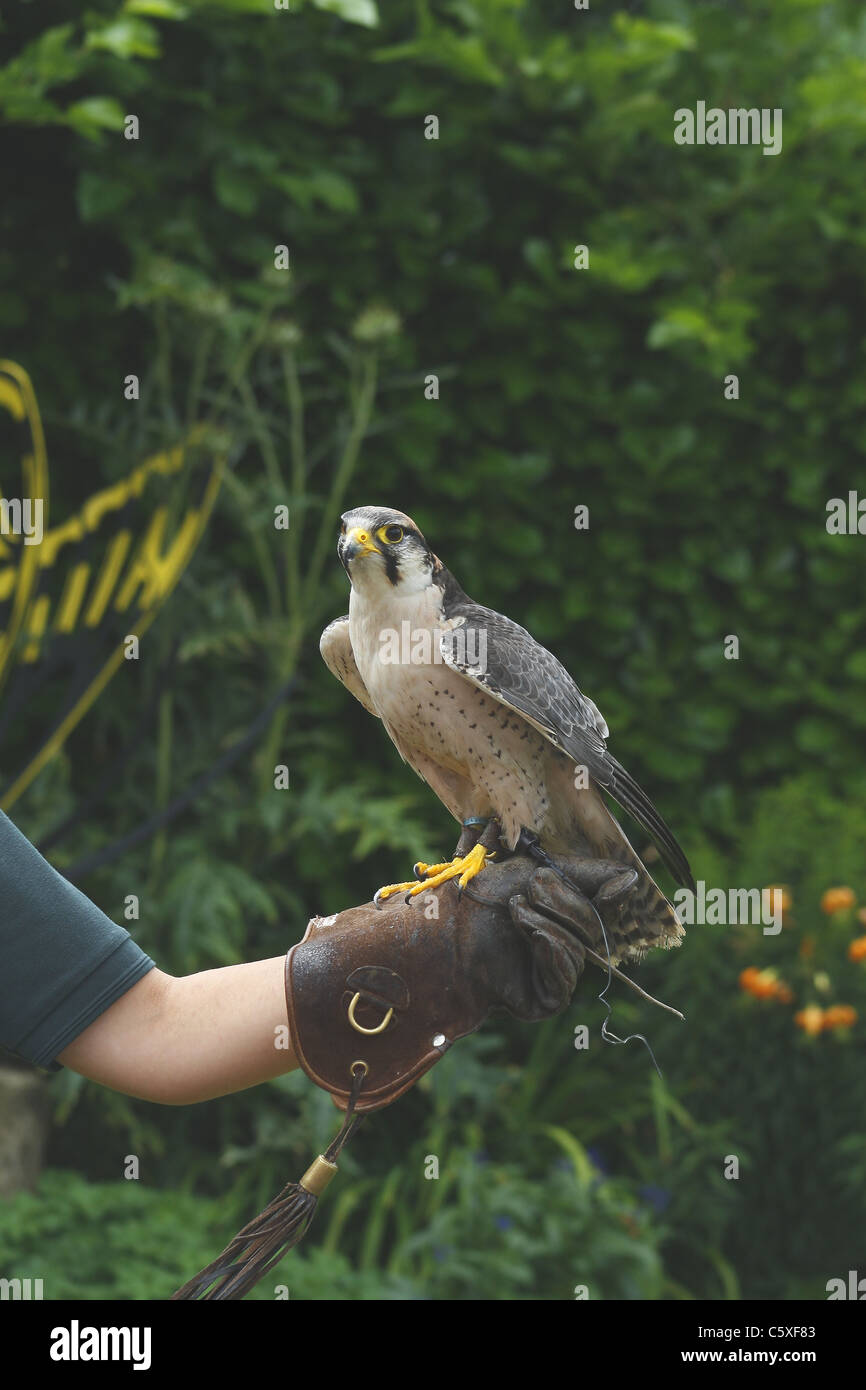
392 888
473 863
427 870
462 869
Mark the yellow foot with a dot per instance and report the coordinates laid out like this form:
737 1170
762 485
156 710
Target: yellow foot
423 870
433 874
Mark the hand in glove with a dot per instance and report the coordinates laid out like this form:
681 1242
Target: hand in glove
377 995
390 988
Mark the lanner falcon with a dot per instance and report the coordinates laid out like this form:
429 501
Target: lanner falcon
488 718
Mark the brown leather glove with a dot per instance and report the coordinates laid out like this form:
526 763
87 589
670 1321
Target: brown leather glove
377 995
390 988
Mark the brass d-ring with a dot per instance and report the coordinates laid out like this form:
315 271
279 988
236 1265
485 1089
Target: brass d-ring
359 1028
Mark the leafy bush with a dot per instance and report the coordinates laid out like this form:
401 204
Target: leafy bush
506 1238
558 388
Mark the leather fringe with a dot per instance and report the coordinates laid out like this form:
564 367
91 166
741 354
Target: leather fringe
283 1224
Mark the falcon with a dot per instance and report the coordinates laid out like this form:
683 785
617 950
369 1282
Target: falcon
489 719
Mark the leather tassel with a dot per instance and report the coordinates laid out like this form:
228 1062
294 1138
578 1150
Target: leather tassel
283 1224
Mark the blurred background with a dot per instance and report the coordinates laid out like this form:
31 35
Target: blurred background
309 387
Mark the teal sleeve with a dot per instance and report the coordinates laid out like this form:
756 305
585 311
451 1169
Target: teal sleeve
62 961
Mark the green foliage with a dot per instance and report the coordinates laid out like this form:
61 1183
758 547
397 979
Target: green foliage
558 388
123 1241
789 1105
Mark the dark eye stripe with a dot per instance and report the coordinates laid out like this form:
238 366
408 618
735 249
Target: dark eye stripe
392 568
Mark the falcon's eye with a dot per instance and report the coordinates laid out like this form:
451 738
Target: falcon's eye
390 534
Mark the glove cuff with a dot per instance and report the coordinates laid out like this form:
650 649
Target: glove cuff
371 987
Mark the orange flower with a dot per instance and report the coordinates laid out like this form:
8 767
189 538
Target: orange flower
763 984
766 985
807 947
837 900
779 897
857 949
811 1019
840 1016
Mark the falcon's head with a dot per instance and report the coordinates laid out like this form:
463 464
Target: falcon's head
379 547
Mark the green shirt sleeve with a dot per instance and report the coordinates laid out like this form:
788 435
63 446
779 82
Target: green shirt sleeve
62 961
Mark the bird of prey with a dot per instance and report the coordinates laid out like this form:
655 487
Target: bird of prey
489 719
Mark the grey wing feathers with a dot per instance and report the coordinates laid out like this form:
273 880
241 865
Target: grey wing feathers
336 648
523 675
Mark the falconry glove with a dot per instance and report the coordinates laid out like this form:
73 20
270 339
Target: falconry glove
376 995
388 990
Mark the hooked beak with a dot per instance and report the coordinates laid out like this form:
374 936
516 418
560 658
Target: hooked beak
355 543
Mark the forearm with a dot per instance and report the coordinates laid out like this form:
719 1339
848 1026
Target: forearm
178 1041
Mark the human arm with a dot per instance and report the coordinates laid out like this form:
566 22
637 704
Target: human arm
77 990
82 994
179 1040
